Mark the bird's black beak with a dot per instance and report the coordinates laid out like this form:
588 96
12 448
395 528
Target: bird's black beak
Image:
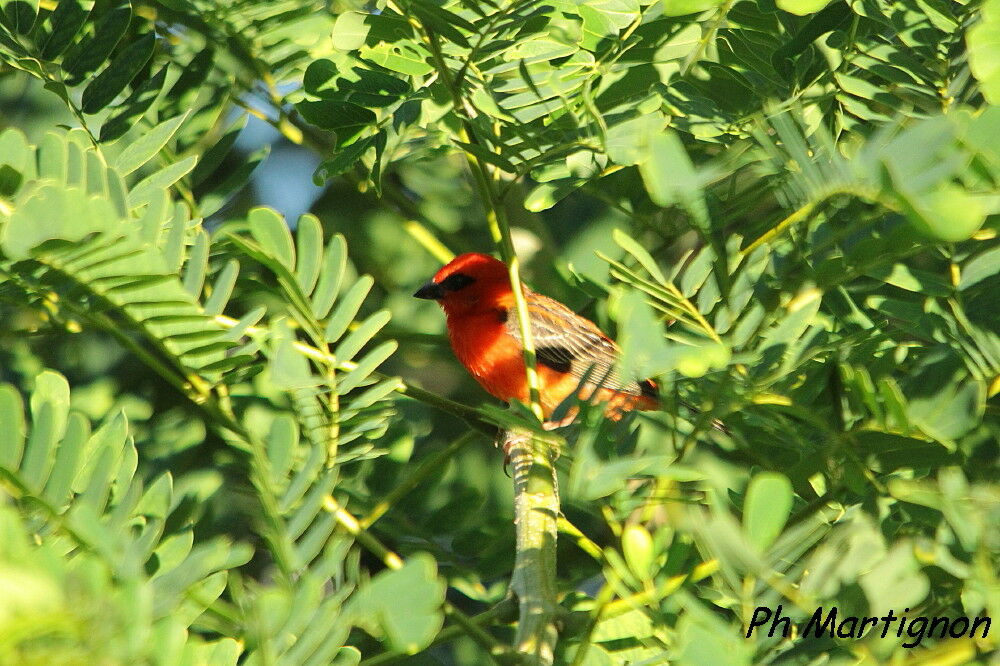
432 291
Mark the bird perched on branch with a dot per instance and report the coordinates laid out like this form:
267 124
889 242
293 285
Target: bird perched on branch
572 354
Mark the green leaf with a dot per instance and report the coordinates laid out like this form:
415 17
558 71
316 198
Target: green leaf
605 18
945 402
671 178
896 581
334 265
637 547
444 22
309 244
766 508
109 439
176 234
89 54
160 180
222 289
801 315
887 452
487 156
626 141
627 243
536 50
12 427
53 212
547 195
912 279
52 157
16 161
133 108
282 443
65 23
409 621
67 460
172 550
112 81
138 153
347 119
216 197
350 31
271 231
51 388
404 56
346 158
18 15
644 352
347 308
802 7
704 638
195 73
360 336
982 267
197 265
289 368
684 7
947 213
155 502
368 88
367 365
214 156
984 50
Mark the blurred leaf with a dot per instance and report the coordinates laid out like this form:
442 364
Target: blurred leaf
766 508
947 213
984 50
802 7
12 428
670 177
350 31
289 368
410 621
980 268
895 582
704 639
637 546
946 403
682 7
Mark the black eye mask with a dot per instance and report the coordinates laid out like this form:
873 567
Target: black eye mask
456 281
436 290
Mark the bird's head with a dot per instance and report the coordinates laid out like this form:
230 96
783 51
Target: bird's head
468 283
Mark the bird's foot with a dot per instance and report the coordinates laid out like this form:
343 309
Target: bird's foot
564 421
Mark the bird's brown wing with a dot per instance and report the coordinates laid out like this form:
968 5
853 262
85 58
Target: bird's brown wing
567 342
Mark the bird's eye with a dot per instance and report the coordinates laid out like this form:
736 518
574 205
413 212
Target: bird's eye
456 281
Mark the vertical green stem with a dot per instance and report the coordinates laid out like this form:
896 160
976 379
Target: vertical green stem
536 512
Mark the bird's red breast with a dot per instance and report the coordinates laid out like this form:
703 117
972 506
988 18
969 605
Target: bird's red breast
474 290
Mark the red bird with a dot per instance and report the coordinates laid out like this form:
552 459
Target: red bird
474 290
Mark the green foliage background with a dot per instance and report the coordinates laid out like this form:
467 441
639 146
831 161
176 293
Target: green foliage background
224 441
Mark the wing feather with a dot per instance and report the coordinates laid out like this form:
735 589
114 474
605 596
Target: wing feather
567 342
